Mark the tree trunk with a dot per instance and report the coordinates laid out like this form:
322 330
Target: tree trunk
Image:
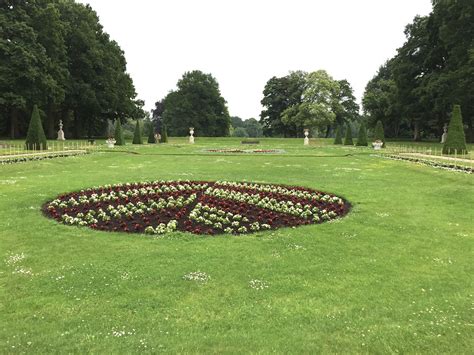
14 123
416 132
328 129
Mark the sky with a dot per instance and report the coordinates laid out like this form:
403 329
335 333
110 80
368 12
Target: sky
244 43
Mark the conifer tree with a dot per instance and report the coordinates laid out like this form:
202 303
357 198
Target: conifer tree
137 134
362 137
164 134
151 136
35 138
379 133
118 135
348 137
456 140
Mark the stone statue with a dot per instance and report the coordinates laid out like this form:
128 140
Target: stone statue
61 132
191 135
306 139
445 134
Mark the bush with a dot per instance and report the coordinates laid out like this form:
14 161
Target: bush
362 137
35 138
379 133
338 139
164 134
137 134
118 134
456 140
348 137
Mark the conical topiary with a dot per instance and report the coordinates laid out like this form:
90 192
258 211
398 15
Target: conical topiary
118 134
137 134
348 137
35 138
151 136
379 133
164 134
456 140
338 139
362 137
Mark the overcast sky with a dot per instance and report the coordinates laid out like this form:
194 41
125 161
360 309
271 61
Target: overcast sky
244 43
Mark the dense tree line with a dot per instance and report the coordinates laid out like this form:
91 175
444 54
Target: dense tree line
246 128
55 54
414 93
306 100
196 103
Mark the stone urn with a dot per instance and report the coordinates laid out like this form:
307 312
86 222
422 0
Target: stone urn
110 142
191 135
306 139
377 145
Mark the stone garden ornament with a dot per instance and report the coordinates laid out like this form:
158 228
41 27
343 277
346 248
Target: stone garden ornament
306 139
61 132
445 133
191 135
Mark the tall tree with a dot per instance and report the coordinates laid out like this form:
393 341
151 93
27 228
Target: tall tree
319 98
196 103
278 95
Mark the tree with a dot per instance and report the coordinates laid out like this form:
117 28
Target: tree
118 134
348 137
151 137
236 122
379 133
362 137
278 95
137 134
456 140
338 139
35 138
253 128
197 103
164 134
344 106
240 132
55 54
316 108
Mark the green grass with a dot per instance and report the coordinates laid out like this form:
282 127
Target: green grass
395 275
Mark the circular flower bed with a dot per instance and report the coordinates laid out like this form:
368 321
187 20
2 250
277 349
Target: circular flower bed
199 207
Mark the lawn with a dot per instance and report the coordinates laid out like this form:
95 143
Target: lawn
394 275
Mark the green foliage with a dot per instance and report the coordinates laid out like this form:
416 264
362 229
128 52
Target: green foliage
118 134
348 136
35 138
137 134
362 137
338 138
315 109
56 54
240 132
414 92
197 103
164 134
253 128
456 140
151 136
379 134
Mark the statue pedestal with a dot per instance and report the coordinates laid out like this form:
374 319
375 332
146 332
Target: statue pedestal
191 139
61 135
306 141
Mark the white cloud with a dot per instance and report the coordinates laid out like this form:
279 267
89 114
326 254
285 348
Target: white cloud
244 43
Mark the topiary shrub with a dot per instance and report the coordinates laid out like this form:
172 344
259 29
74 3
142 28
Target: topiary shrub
456 140
338 139
348 137
151 136
137 134
379 133
362 137
164 134
118 134
35 138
